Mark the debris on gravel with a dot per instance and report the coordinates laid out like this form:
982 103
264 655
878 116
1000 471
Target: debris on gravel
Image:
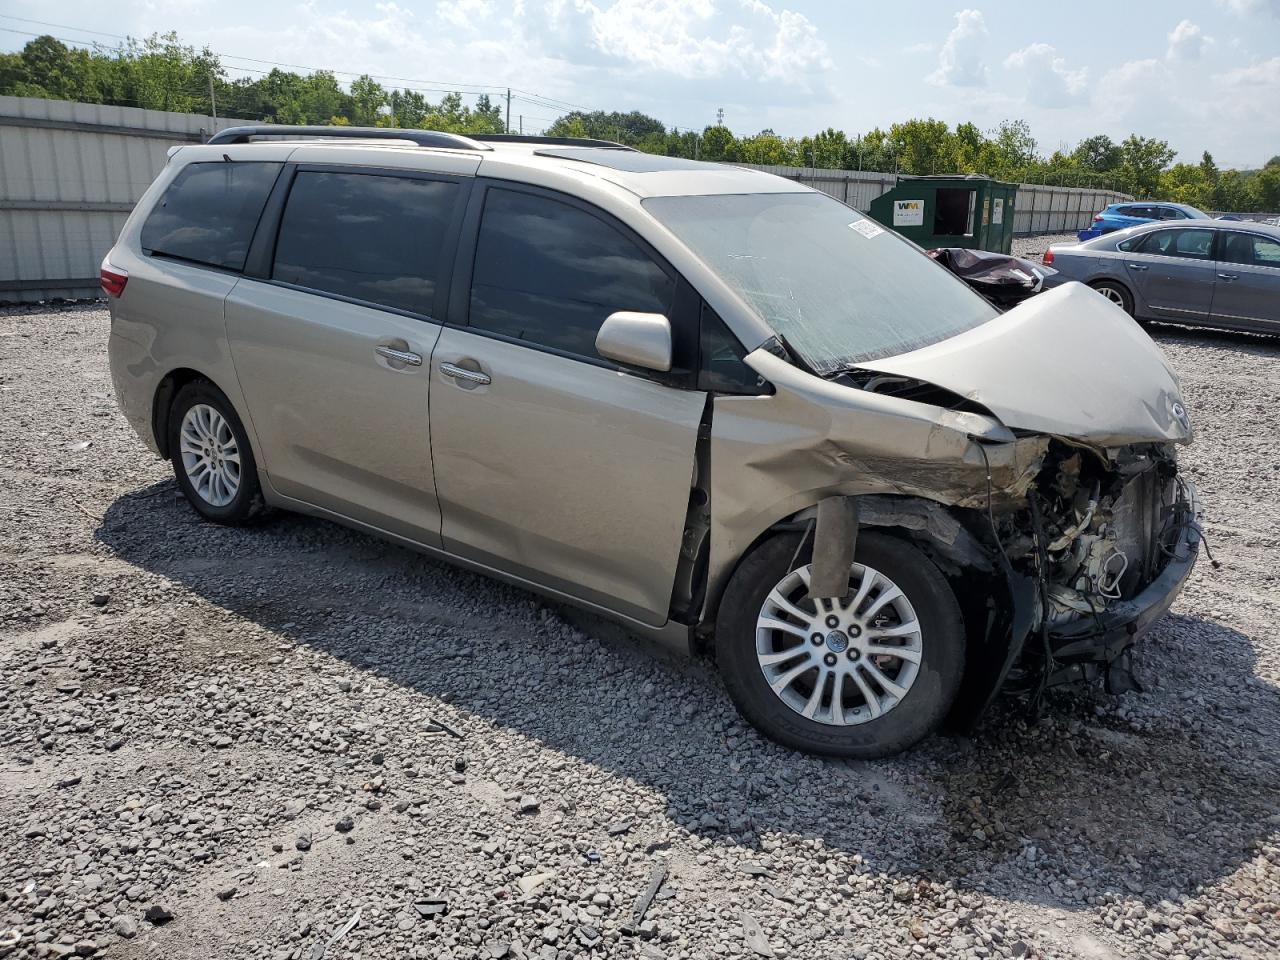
240 693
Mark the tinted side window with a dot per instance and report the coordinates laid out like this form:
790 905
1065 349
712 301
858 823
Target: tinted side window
721 368
1171 213
364 236
1192 244
209 212
550 273
1249 249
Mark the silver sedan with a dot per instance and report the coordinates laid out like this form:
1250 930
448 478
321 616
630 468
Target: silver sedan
1213 273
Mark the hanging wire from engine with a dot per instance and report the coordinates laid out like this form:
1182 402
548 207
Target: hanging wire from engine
1042 581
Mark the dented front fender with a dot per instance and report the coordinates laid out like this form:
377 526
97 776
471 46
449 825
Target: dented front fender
773 456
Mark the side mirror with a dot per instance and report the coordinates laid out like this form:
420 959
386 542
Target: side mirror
636 339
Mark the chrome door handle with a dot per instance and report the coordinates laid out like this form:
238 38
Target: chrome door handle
1227 276
400 356
462 373
1137 266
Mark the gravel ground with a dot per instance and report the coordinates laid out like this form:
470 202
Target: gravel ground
256 743
1032 247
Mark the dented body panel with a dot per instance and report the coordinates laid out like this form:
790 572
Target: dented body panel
1067 363
1053 488
773 456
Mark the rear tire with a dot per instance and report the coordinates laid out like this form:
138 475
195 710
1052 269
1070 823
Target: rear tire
844 648
1117 293
212 459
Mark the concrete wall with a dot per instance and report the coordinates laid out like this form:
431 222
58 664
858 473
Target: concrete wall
1040 209
69 175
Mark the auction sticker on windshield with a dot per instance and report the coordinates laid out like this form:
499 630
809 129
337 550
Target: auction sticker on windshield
867 228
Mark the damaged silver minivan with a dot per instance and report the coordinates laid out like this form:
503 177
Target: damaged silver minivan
718 406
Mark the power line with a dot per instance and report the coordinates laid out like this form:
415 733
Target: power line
422 86
432 85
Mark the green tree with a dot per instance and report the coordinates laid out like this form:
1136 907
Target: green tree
924 146
49 68
629 128
1012 148
1186 183
1266 186
1142 160
1099 154
367 97
718 143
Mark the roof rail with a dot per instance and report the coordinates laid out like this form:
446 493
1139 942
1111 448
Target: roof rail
423 138
550 141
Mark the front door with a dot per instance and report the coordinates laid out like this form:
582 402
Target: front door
1248 290
1175 272
552 464
332 349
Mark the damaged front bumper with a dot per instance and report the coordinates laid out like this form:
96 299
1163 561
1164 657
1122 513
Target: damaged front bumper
1099 644
1083 647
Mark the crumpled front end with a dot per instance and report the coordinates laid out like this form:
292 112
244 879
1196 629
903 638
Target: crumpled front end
1032 459
1104 544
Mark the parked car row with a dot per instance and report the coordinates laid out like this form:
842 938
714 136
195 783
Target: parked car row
1121 216
1218 273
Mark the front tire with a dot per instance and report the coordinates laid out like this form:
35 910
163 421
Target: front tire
211 456
864 678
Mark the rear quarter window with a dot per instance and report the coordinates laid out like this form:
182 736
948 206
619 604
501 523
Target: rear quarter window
209 212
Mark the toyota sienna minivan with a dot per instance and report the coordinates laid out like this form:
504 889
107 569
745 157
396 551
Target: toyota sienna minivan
720 407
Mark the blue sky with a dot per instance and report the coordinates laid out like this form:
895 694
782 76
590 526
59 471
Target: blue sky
1200 74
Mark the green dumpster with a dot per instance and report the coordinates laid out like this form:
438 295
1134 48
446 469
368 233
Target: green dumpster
950 211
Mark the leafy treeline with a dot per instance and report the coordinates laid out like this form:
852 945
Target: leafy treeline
1141 166
160 73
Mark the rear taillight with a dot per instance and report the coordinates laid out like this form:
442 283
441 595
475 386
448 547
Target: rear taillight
112 279
1097 218
1047 259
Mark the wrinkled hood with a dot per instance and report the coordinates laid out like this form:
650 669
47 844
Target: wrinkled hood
1067 362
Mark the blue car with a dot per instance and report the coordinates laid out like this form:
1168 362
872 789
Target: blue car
1118 216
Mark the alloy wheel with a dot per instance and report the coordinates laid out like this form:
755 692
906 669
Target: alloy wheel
839 662
210 455
1112 294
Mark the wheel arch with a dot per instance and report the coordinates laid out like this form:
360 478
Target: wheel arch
901 515
993 607
162 404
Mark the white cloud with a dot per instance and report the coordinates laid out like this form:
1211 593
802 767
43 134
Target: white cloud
1245 8
960 62
1149 98
1050 83
1249 99
465 14
1265 74
688 38
1187 41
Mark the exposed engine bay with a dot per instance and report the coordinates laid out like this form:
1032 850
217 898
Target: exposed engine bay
1091 528
1097 530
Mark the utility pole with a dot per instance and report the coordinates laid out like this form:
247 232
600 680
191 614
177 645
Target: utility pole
213 102
508 109
522 124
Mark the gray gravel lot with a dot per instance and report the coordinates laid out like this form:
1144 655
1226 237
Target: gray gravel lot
1034 246
263 734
